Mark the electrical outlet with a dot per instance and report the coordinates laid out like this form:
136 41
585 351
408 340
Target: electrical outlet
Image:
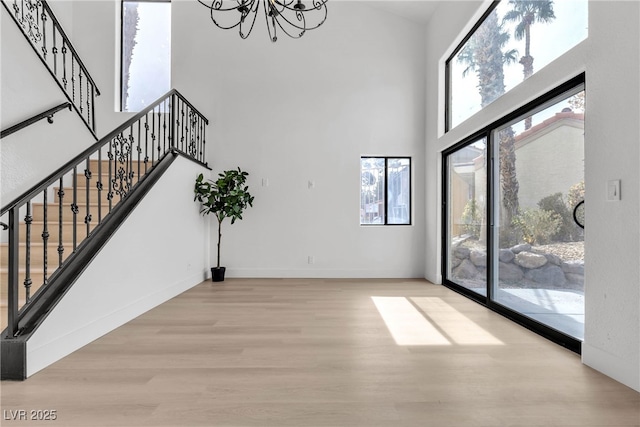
311 259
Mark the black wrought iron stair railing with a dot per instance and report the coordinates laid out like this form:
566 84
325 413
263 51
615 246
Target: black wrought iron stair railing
50 224
46 36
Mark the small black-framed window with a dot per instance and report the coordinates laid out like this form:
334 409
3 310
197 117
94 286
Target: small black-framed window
145 52
385 190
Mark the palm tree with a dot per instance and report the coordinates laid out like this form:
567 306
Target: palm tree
483 54
525 13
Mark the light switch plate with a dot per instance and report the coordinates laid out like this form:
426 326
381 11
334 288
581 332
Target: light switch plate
613 190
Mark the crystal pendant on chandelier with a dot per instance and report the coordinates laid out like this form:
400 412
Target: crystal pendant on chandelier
293 17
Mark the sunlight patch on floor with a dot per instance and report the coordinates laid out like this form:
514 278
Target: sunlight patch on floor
406 324
455 325
430 321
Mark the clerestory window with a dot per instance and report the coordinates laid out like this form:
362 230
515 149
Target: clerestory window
145 52
512 41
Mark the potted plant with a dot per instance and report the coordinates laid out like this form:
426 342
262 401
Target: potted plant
226 197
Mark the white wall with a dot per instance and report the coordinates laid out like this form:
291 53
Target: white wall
612 229
610 59
160 251
353 87
300 110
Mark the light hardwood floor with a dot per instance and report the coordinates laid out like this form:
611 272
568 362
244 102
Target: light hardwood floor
298 352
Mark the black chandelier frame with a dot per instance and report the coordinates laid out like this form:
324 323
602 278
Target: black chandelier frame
293 17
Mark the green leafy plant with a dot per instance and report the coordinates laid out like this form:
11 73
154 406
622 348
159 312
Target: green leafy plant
471 218
226 197
555 203
537 226
576 194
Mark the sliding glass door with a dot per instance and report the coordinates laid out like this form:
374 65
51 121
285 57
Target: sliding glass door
540 248
467 226
512 194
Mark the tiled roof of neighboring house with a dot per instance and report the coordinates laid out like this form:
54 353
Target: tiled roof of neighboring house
565 114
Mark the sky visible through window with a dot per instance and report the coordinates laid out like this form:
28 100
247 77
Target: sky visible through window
150 69
548 42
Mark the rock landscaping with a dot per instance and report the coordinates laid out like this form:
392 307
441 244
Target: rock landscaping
521 266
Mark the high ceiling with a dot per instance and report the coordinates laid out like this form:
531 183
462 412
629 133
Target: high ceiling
419 11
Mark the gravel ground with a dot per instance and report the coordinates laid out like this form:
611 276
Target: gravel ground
569 251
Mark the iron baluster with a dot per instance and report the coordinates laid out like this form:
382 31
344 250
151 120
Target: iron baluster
44 35
93 106
99 186
172 103
60 220
193 142
109 180
130 173
28 219
163 131
197 155
176 124
73 79
74 207
80 90
164 125
139 149
87 175
153 136
88 102
185 130
64 64
197 137
37 14
45 238
159 134
146 142
16 9
12 297
182 129
54 50
204 141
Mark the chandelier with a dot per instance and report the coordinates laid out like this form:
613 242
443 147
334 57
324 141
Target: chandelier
293 17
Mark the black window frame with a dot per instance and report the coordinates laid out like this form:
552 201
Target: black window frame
447 67
386 189
567 341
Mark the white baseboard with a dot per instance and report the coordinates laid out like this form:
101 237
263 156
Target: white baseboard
623 371
317 273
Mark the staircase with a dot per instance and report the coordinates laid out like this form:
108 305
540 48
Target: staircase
55 229
59 246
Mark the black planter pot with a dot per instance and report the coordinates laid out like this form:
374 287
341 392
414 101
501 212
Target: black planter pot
217 274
